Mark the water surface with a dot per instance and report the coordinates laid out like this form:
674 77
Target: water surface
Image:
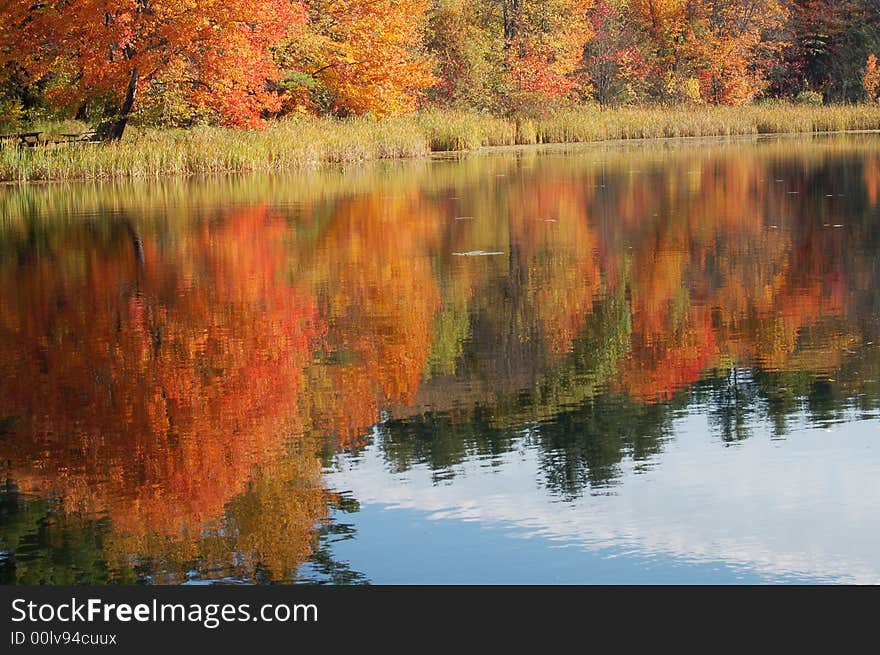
627 363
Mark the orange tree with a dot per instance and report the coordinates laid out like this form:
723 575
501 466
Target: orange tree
218 51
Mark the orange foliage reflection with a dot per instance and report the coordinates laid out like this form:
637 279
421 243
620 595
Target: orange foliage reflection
379 297
162 377
158 379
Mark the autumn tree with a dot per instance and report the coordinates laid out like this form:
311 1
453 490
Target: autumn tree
735 43
544 47
219 51
700 50
510 55
661 25
871 77
615 58
359 56
466 52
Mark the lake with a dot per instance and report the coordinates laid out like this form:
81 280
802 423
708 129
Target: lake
649 362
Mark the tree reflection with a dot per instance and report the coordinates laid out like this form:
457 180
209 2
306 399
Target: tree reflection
162 380
169 385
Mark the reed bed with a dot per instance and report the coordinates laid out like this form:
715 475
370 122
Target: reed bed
305 142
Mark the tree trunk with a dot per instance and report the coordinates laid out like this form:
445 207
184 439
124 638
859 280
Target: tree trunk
117 127
136 243
510 16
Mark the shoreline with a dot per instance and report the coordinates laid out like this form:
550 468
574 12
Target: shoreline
303 144
563 146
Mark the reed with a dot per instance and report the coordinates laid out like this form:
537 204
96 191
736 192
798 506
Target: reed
307 142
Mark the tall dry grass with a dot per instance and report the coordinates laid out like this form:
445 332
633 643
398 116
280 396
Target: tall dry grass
304 142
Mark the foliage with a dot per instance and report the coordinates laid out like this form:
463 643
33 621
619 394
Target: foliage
362 56
239 62
871 78
509 56
87 51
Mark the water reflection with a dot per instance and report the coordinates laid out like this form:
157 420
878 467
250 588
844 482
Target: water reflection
180 360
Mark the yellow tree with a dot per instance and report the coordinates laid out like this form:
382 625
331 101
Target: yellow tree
731 47
365 56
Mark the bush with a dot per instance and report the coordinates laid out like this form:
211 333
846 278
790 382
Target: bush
808 97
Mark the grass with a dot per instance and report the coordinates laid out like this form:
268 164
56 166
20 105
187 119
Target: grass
477 174
304 142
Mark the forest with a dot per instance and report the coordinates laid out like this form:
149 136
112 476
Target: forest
236 63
